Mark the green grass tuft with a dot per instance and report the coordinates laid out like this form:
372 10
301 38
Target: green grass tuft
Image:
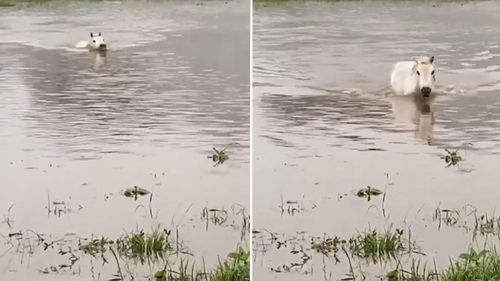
377 246
236 268
145 246
474 266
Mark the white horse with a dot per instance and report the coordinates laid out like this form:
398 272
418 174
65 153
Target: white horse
409 77
96 43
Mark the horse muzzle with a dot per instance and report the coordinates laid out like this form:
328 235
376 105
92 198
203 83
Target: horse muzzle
426 91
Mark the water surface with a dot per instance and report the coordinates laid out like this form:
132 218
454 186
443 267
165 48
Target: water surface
326 125
78 127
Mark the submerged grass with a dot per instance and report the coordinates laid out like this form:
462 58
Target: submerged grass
328 246
96 246
214 216
469 219
417 272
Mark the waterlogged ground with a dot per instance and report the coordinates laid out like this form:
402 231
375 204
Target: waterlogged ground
326 126
78 128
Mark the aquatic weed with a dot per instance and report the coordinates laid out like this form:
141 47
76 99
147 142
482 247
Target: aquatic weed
452 158
368 192
219 156
215 216
487 225
304 258
328 246
135 192
292 207
96 246
449 217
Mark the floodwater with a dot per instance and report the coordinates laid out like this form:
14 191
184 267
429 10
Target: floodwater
77 128
326 124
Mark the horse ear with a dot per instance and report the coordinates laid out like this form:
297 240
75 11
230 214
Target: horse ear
432 59
100 35
91 35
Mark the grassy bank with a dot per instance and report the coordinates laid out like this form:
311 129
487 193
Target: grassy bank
12 3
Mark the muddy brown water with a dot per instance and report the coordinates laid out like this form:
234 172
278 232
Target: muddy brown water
77 128
325 126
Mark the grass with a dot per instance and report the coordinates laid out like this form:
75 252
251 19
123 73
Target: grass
377 246
145 246
368 192
235 268
135 192
154 246
12 3
475 266
417 272
184 272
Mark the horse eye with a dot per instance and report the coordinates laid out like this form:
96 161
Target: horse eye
93 41
418 73
432 72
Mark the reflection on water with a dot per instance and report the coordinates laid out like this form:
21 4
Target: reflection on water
414 109
78 127
324 111
98 59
